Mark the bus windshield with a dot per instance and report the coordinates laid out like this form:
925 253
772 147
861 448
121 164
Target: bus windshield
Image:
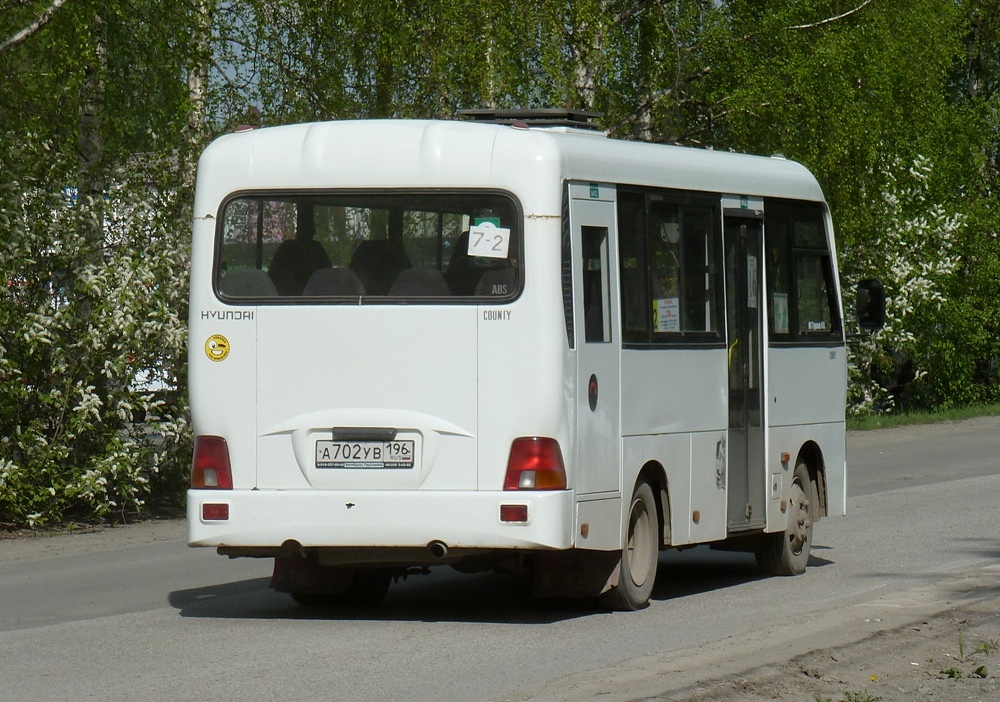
368 247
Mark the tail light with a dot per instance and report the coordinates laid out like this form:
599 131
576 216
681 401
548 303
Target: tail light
535 464
210 469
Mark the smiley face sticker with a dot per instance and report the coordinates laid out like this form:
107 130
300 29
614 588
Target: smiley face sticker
217 347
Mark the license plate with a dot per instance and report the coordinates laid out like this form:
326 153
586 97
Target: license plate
365 454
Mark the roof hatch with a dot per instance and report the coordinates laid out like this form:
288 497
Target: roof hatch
541 117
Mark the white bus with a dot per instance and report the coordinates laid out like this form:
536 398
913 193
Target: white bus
508 346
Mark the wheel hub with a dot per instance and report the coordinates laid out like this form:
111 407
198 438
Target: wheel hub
799 519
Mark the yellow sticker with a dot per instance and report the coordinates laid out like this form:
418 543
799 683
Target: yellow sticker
217 347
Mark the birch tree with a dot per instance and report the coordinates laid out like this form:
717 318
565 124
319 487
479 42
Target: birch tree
94 229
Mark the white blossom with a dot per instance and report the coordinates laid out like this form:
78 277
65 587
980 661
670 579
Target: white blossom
912 255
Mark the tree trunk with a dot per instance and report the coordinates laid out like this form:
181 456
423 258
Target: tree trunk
90 143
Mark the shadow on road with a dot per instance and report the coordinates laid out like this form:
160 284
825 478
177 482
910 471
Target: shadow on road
446 595
701 569
980 547
441 596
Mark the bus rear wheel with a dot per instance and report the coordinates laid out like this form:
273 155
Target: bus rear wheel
367 587
787 553
637 571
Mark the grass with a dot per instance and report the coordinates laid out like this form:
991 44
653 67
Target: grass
903 419
849 697
988 647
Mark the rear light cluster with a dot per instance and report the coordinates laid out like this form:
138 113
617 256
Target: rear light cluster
534 464
211 470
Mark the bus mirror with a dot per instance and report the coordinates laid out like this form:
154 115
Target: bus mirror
871 304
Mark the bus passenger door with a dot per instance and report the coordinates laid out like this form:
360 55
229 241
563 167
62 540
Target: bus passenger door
597 337
744 324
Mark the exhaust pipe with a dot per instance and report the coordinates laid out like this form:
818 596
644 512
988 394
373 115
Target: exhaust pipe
292 547
438 549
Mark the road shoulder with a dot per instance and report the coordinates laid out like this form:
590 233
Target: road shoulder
889 648
43 545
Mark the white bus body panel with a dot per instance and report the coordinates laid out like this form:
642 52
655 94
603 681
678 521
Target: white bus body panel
681 425
807 392
387 371
383 518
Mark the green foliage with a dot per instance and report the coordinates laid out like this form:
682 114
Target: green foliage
988 647
893 104
865 422
914 257
92 408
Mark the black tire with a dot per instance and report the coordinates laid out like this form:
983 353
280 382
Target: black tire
637 572
368 588
787 553
313 599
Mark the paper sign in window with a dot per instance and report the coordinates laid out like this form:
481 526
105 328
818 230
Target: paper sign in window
667 314
488 240
780 302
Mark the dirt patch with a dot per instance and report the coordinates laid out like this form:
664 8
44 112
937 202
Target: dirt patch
939 641
951 656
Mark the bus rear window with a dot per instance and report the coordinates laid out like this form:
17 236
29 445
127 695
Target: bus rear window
368 247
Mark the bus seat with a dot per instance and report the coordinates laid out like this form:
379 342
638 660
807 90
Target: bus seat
462 275
499 281
334 282
246 282
378 262
293 263
420 282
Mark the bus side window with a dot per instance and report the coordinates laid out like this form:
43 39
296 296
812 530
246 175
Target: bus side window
632 260
779 277
814 309
596 284
802 300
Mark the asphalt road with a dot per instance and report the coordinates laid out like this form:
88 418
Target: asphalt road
132 613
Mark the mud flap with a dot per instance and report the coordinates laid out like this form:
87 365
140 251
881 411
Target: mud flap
576 573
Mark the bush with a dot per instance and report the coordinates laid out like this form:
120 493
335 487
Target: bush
915 256
93 409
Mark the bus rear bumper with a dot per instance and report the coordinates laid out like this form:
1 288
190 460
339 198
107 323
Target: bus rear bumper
259 520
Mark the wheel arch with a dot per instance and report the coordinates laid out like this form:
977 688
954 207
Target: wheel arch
656 475
812 456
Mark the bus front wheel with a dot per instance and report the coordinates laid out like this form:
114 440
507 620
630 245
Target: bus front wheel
787 553
637 571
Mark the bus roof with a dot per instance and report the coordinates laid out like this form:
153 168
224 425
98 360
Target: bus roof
430 153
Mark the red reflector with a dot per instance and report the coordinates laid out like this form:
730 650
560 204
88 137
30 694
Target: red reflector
213 512
535 463
513 513
210 469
